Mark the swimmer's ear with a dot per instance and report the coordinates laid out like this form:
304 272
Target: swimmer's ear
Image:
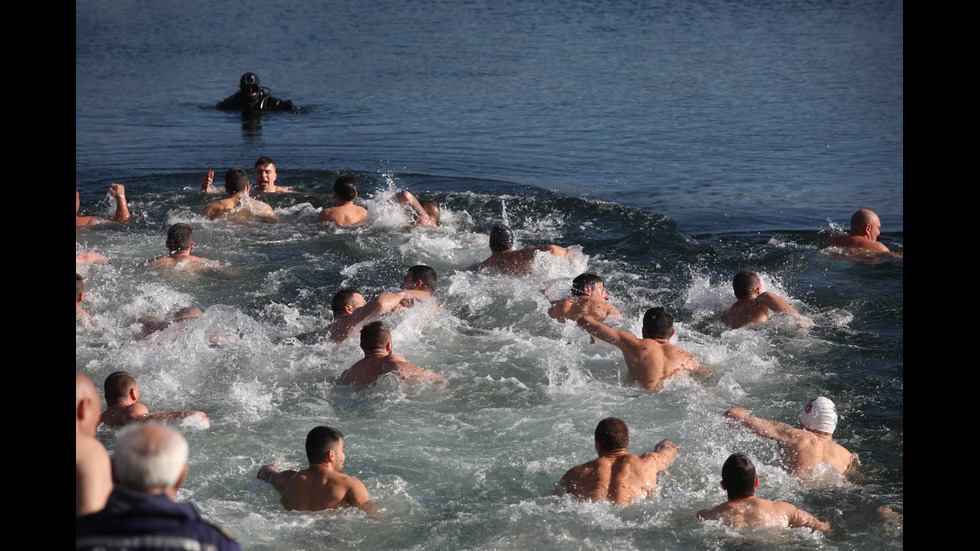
723 487
756 482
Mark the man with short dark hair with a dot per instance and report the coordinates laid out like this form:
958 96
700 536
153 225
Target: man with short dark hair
744 509
863 235
180 243
322 485
266 177
505 260
616 475
122 396
589 298
351 311
149 465
344 213
652 359
754 307
379 360
239 206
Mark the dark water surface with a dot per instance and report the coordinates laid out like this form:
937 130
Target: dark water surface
672 143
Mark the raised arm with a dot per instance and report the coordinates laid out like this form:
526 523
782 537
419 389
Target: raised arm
207 180
118 192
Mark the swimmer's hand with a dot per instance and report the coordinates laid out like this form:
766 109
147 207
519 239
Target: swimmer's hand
207 180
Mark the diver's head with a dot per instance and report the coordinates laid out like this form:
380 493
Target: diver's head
249 83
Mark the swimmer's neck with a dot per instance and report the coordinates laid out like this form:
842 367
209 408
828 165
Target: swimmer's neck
618 452
819 434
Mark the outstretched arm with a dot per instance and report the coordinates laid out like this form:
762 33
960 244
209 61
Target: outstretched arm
777 303
663 455
384 303
279 479
603 332
801 519
773 430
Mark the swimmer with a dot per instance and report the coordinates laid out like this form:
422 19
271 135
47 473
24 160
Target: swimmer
652 359
180 243
122 396
504 260
863 236
237 186
266 177
807 450
79 296
617 476
323 485
379 360
93 473
344 213
420 283
589 298
351 311
755 307
152 324
744 509
424 213
117 192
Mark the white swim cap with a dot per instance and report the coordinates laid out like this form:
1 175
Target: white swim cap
819 414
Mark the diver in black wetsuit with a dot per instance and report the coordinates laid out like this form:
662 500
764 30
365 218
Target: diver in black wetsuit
253 98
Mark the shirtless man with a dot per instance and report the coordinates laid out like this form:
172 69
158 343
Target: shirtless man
424 213
323 485
118 192
420 283
805 451
351 311
616 475
122 396
863 236
345 213
589 298
743 509
152 324
180 243
266 178
379 360
754 307
93 471
239 206
652 359
503 259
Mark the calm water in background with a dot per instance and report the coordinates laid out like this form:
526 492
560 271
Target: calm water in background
675 143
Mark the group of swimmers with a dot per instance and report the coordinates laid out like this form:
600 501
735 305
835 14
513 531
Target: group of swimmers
617 476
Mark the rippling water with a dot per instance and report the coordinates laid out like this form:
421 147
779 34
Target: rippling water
674 144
